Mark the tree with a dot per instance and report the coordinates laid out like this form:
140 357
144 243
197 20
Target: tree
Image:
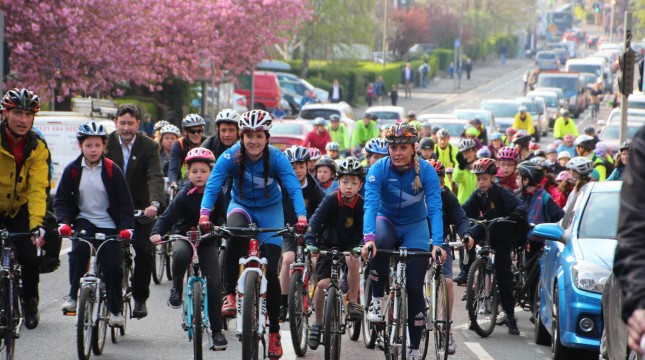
409 28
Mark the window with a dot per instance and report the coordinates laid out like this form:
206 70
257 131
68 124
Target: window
600 216
310 114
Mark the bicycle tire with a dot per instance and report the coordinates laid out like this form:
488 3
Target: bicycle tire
297 314
197 317
99 331
441 319
8 340
169 262
159 264
427 295
331 332
475 293
354 328
84 324
369 332
402 326
250 317
115 332
532 280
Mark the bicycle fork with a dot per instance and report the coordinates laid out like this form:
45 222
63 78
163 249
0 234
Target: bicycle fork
189 309
400 282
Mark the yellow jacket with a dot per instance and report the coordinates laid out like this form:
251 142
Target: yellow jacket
30 185
526 124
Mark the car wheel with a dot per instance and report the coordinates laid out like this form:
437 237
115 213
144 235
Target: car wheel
542 336
558 351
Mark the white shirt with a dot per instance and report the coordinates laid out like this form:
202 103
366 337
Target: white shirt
93 199
335 94
408 74
126 150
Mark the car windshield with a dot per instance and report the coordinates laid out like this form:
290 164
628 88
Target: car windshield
310 114
287 129
611 131
636 104
385 115
502 109
600 217
530 106
564 83
586 68
455 129
540 106
469 115
550 100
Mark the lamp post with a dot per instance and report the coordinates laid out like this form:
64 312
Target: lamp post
385 6
611 21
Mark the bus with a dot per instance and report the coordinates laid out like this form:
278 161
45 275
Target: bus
558 22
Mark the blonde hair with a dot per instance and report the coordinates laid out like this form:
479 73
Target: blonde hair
417 169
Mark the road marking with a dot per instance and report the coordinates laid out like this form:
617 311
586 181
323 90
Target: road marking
287 346
479 351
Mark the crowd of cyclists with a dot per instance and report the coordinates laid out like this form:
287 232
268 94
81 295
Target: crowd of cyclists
406 188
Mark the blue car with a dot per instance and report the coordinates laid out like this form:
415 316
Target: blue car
577 261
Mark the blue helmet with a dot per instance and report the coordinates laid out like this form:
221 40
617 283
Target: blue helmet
377 146
496 136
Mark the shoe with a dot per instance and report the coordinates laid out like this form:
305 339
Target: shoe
140 310
283 314
32 316
174 301
116 320
461 279
501 318
314 336
414 354
219 342
228 307
275 346
375 312
452 346
69 306
511 322
355 311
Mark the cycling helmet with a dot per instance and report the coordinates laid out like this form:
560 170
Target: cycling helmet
332 146
471 131
565 112
200 154
475 121
401 134
551 149
228 116
169 129
510 132
590 130
351 166
297 154
426 143
91 129
521 139
540 153
466 144
319 122
564 155
160 124
412 114
522 109
376 146
625 145
443 133
334 117
314 154
435 130
21 99
192 120
483 153
496 136
508 153
438 166
601 149
534 146
563 175
581 165
255 120
532 171
426 124
585 141
326 161
539 161
484 166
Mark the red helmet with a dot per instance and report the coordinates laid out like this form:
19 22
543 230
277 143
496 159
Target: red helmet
438 166
484 166
510 132
508 153
200 154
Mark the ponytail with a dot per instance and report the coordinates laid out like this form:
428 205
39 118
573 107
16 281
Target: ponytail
417 179
241 159
265 168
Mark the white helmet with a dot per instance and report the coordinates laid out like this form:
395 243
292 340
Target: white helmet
581 165
227 116
255 120
169 129
192 120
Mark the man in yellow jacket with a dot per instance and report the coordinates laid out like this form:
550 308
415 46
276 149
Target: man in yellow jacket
564 126
24 181
523 121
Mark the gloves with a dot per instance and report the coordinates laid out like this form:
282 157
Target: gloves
462 161
515 216
312 249
205 223
301 226
126 234
65 230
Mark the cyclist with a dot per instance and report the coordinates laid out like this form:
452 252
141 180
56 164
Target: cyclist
596 98
492 201
339 133
364 131
426 149
193 126
564 126
319 136
482 133
522 142
508 136
471 133
255 166
462 176
563 159
157 128
565 187
333 150
426 130
551 154
313 194
602 152
168 135
325 170
93 196
483 153
591 131
621 161
523 121
568 145
376 149
507 159
585 148
25 161
227 132
180 216
496 143
314 156
411 119
402 193
580 169
445 151
338 222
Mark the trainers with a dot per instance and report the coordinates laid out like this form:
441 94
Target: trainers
501 318
461 279
452 346
174 301
228 308
219 342
140 310
32 316
355 310
414 354
283 314
275 346
69 306
314 336
511 322
375 312
116 320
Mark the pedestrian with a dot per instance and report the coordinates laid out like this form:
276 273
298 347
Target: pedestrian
394 95
468 67
451 70
424 70
306 99
147 127
407 79
338 133
370 94
335 93
379 89
502 53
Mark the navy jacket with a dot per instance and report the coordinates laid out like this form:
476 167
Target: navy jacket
334 224
182 213
313 195
453 214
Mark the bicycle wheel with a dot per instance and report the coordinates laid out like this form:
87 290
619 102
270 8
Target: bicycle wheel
160 264
441 319
8 340
369 331
481 298
402 326
353 326
297 313
84 323
197 325
169 262
331 332
116 331
100 330
427 295
250 317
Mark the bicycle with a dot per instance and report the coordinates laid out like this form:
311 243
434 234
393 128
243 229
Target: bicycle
11 317
525 276
91 312
163 253
482 297
251 294
369 331
301 292
594 111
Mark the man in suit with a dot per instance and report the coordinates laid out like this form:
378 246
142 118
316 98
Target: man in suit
138 156
335 93
407 79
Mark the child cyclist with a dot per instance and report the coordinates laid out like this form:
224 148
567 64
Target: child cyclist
507 159
338 222
93 196
314 156
402 193
256 198
326 174
375 149
182 214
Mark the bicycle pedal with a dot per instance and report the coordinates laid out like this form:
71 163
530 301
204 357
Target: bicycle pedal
220 348
69 313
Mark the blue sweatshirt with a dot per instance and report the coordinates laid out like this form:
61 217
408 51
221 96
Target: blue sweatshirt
390 192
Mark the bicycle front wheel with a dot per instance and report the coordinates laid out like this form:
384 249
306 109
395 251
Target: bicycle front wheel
369 331
250 317
84 323
160 264
481 298
9 307
197 325
100 330
441 317
169 261
298 314
331 333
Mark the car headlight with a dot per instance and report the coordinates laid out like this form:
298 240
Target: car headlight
589 276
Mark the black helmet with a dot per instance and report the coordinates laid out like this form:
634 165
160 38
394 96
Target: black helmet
426 143
326 161
590 130
531 171
21 99
351 166
522 140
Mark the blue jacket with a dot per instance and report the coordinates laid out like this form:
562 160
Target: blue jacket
254 195
390 192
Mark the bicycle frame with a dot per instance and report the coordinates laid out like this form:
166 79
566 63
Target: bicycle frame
302 263
10 270
252 263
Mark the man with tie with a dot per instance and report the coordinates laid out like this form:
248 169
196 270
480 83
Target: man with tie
138 156
407 79
335 93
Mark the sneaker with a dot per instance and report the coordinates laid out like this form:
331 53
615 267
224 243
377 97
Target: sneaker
314 336
174 301
275 346
283 314
140 310
461 279
219 342
228 308
116 320
69 306
32 316
511 322
414 354
355 310
375 312
501 318
452 346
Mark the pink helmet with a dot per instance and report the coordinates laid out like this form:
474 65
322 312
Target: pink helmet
200 154
314 154
508 153
563 175
510 132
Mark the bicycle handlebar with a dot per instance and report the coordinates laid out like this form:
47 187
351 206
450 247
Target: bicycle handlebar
4 234
250 230
487 222
407 253
97 236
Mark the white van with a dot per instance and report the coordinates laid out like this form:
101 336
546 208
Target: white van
592 65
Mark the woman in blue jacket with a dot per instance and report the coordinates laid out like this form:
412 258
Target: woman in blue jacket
401 194
256 198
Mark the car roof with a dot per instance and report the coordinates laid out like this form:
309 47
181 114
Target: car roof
589 60
424 117
559 74
450 121
541 93
606 186
398 109
501 101
472 110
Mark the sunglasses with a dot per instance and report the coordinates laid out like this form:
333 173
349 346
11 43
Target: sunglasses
194 131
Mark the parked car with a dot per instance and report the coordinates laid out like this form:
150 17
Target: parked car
267 93
454 125
636 101
577 260
303 85
286 133
504 111
387 115
536 114
484 115
325 110
572 86
547 60
552 104
611 127
589 65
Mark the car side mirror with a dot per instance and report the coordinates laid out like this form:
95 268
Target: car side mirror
551 232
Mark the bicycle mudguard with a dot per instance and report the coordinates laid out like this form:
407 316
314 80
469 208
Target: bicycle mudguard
240 296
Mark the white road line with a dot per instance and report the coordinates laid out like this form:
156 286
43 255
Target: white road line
479 351
287 346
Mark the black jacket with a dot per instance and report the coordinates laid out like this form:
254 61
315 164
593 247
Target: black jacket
313 195
178 153
453 214
213 144
182 213
336 225
121 209
629 261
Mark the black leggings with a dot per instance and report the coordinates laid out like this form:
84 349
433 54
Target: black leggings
25 252
239 247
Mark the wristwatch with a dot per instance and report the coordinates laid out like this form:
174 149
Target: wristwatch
155 204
